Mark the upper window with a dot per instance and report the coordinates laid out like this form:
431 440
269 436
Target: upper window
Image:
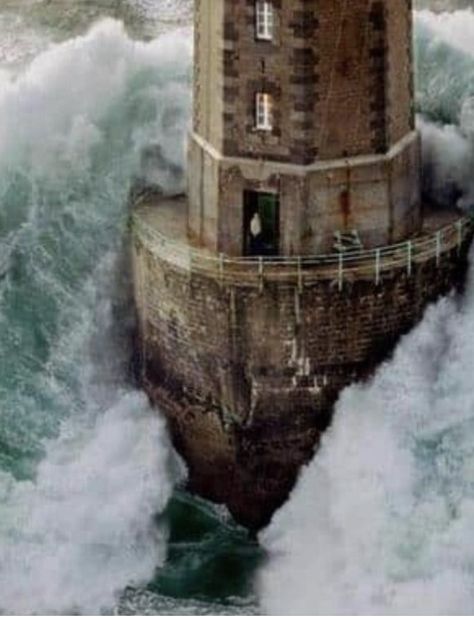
264 19
264 112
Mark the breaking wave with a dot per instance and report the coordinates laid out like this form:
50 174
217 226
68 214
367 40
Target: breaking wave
85 464
381 520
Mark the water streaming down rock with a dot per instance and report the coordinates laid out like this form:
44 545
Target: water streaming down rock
381 521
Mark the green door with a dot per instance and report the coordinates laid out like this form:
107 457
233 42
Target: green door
266 206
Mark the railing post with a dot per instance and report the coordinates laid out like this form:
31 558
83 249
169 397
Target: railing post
300 276
409 257
297 295
341 272
260 273
377 267
438 248
460 230
221 267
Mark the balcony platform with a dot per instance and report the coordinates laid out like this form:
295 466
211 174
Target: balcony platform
246 356
160 223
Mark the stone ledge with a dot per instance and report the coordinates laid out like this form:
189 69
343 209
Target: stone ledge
341 163
160 225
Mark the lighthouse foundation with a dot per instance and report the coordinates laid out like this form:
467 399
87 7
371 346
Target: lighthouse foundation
246 357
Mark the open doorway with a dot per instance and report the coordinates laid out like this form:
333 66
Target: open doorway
261 223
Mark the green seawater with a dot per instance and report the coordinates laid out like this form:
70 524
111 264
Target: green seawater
78 108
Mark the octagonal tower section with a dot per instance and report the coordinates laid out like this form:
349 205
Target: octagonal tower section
310 103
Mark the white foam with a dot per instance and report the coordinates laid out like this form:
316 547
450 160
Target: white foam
165 9
73 538
51 113
18 42
72 126
454 28
381 521
448 159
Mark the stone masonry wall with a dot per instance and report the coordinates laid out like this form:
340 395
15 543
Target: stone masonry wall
340 76
339 73
208 70
379 197
248 377
399 77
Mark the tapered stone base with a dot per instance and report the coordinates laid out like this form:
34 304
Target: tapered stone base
251 469
247 367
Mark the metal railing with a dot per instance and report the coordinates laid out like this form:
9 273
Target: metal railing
307 269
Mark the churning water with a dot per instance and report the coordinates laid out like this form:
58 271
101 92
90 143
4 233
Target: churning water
381 521
90 520
85 463
87 517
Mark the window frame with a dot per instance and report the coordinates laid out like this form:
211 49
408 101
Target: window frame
264 20
264 112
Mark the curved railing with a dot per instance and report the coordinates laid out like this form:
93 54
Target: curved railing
307 269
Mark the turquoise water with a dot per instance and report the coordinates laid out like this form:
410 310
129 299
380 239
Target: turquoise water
88 516
92 516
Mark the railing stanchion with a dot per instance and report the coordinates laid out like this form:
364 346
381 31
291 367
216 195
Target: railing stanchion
308 269
460 230
377 267
221 267
438 248
297 295
260 273
341 272
300 276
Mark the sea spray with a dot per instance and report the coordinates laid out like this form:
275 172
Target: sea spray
381 520
445 95
86 464
64 318
84 528
453 28
444 67
67 157
448 159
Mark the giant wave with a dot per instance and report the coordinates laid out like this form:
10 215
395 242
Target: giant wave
381 520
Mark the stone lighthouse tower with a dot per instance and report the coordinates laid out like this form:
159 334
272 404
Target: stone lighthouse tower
303 111
301 252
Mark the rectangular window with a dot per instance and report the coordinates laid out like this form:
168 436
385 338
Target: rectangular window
264 112
265 19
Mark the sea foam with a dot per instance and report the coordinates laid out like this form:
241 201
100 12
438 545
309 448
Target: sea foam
86 465
381 520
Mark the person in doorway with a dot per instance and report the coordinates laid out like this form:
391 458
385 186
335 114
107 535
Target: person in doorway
256 235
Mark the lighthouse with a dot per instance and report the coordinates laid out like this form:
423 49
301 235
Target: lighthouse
303 111
302 250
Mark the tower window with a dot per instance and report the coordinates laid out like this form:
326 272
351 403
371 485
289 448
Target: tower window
264 112
264 19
